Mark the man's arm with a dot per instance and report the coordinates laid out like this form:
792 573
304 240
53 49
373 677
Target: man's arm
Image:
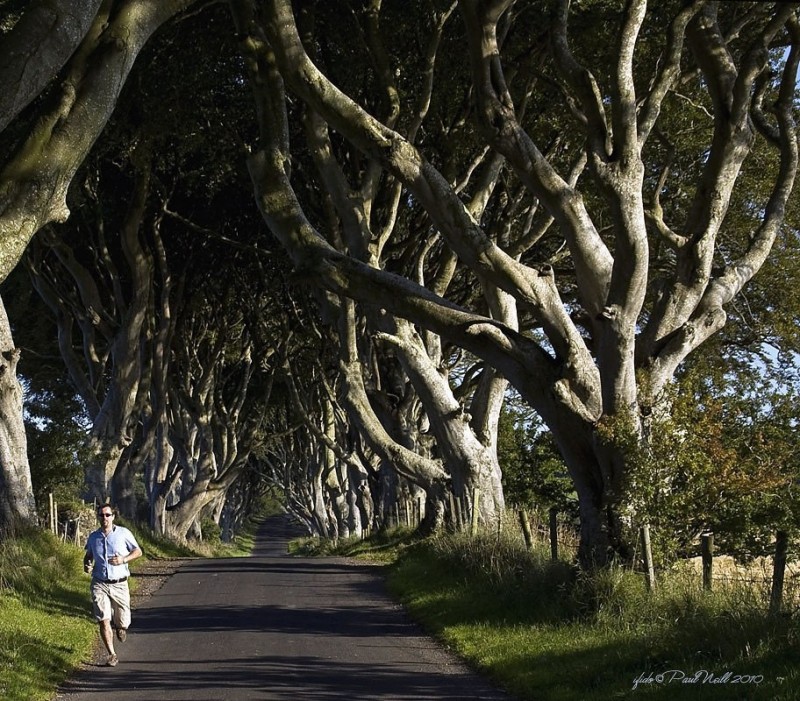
88 559
124 559
132 555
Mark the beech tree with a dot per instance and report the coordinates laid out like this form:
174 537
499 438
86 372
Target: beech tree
17 505
101 53
590 164
633 265
92 45
346 195
104 290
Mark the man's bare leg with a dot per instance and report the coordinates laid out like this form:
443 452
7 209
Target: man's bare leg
107 636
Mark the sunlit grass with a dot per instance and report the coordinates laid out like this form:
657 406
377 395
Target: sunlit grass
381 546
44 627
545 632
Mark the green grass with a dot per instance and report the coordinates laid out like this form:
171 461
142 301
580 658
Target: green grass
382 547
157 547
46 628
545 632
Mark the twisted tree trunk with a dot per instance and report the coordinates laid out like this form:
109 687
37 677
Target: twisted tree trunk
17 505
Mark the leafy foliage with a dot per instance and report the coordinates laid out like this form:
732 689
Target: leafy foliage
56 446
533 472
726 460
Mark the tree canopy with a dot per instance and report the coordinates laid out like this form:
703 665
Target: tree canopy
572 198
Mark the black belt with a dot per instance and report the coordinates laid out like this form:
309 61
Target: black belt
113 581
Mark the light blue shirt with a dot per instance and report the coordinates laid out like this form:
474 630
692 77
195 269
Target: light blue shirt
119 541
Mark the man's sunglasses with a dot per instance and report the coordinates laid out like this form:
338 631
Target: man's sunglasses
101 515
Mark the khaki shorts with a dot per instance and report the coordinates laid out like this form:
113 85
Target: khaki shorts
111 601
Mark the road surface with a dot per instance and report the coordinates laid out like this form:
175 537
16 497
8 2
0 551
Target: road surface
273 626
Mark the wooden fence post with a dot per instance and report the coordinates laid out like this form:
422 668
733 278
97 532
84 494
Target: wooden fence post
453 515
476 503
648 558
778 571
525 524
553 533
707 552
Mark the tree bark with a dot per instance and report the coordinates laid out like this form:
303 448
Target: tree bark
34 183
17 505
109 374
608 338
37 47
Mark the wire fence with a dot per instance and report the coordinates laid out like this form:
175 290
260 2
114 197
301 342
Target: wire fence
775 578
71 524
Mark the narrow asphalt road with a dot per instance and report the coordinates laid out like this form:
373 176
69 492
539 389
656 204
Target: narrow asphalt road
273 626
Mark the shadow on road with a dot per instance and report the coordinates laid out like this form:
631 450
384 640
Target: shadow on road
273 677
273 626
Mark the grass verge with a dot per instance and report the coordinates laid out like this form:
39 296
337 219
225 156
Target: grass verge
382 547
44 627
545 632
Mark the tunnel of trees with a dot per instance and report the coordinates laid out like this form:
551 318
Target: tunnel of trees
362 250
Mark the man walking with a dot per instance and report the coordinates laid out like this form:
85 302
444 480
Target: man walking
110 548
